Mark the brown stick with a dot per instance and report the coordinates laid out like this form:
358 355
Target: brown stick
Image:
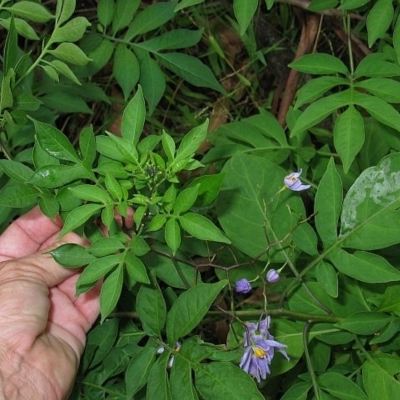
307 38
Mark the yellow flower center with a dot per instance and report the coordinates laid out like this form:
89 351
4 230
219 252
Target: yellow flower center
259 352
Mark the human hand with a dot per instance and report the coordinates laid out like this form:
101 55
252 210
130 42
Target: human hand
42 324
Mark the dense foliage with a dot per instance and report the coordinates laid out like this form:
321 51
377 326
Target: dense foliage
257 145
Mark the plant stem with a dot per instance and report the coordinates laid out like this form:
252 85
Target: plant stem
309 362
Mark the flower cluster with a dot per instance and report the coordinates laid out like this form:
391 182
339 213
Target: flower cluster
260 349
177 347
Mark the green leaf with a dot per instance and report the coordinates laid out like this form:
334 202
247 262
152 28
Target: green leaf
172 234
66 103
225 381
352 4
316 87
378 379
100 55
79 216
152 310
87 146
112 167
123 13
90 193
158 382
341 387
185 199
156 223
191 142
64 10
187 3
152 80
182 385
27 102
107 216
133 118
22 27
72 255
208 188
11 50
49 205
110 292
50 72
299 390
15 170
97 269
244 12
364 323
71 53
369 217
379 19
374 65
54 176
379 109
32 11
6 95
107 147
319 110
321 5
71 31
55 142
113 187
139 246
305 239
138 370
190 308
191 69
250 224
384 88
105 246
365 267
172 40
319 64
391 300
168 144
126 69
396 38
105 11
328 203
136 269
152 17
63 69
327 278
102 337
201 228
349 136
18 195
387 332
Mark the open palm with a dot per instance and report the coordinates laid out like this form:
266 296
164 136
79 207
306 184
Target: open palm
43 324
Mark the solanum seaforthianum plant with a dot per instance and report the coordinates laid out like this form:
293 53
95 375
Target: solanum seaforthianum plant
273 273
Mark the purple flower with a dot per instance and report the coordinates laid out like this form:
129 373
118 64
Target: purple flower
243 286
259 350
293 182
273 276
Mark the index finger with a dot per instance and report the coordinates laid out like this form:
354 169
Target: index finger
27 234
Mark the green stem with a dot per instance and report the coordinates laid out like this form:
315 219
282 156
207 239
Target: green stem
42 54
349 44
244 314
180 273
309 362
